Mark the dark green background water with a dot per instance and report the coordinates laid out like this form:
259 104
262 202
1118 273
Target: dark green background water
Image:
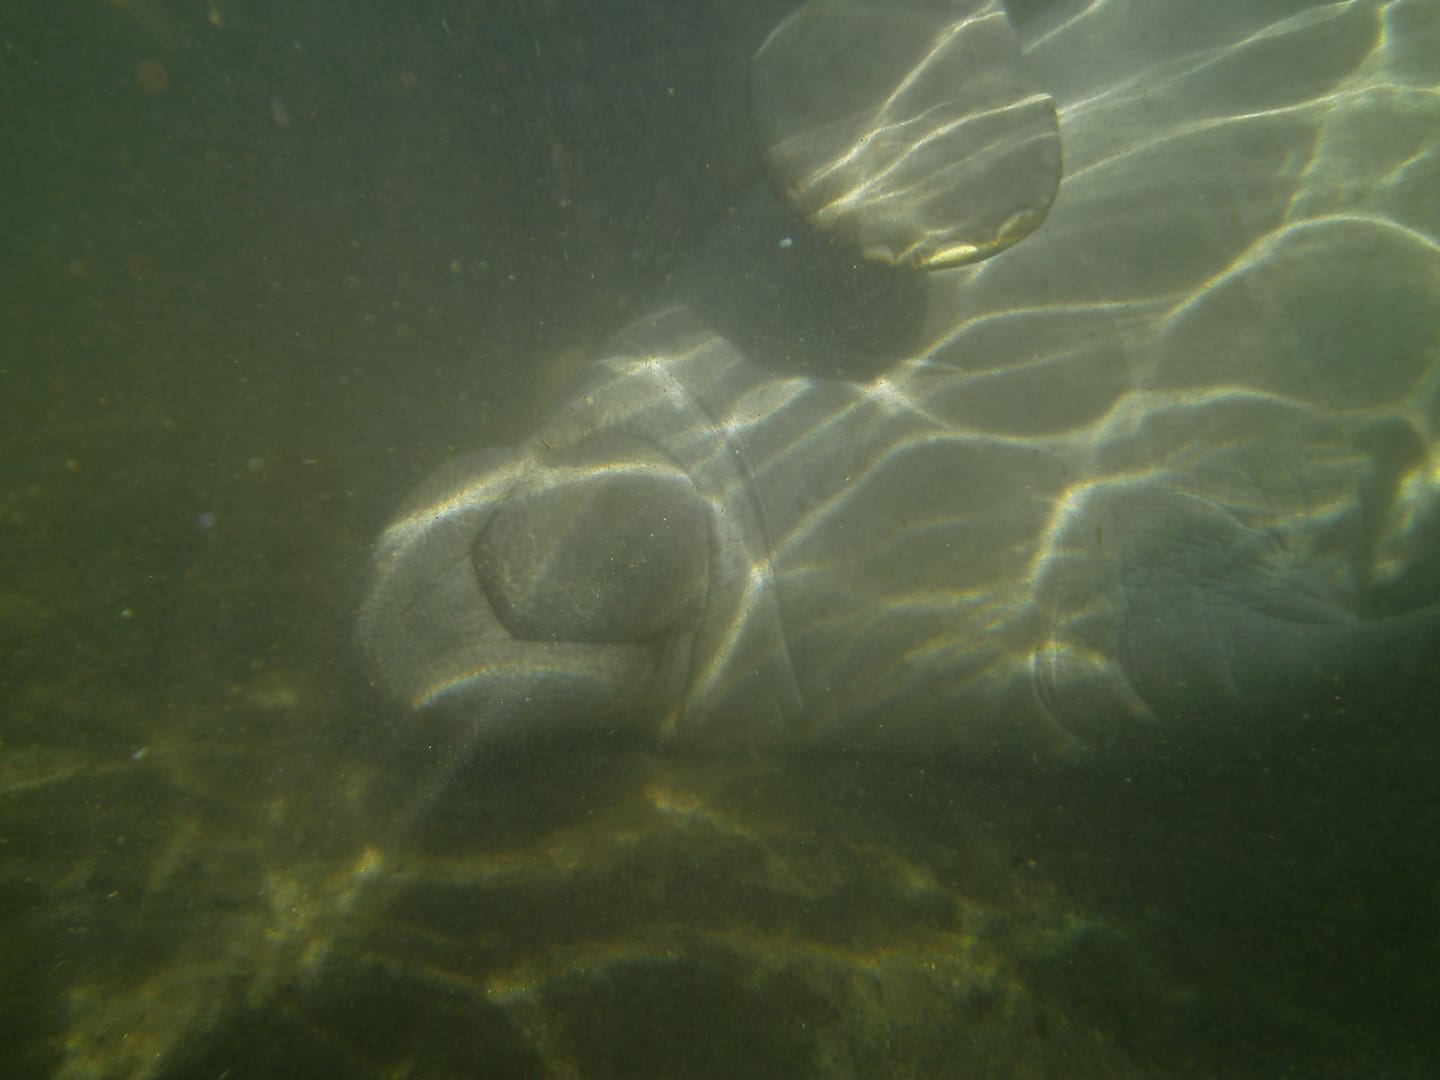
264 267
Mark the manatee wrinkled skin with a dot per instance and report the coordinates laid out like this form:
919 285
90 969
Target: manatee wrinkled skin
1168 461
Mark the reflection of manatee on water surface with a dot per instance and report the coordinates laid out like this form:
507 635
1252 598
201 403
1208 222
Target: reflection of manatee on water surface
1157 457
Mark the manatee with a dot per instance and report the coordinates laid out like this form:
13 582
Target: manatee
1076 381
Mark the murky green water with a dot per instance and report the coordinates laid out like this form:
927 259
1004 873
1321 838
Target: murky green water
265 267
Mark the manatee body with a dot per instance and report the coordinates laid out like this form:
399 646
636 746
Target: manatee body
1158 456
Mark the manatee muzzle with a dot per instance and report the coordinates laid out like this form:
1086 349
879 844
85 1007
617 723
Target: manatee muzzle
528 587
607 545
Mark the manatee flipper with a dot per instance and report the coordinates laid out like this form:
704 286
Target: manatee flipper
900 138
916 132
